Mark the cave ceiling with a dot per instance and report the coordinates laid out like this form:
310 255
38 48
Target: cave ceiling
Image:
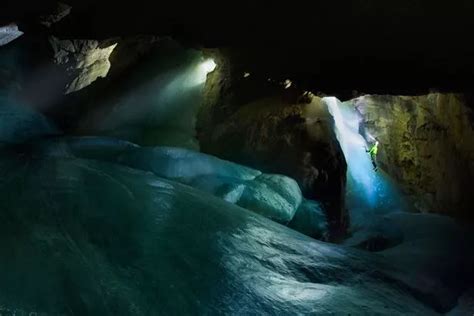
398 47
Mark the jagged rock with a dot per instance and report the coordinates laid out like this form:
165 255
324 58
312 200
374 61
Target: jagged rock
84 60
62 10
427 144
9 33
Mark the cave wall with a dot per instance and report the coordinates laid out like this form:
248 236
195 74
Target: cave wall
265 124
427 145
144 89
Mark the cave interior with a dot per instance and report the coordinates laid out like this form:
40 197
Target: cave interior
238 159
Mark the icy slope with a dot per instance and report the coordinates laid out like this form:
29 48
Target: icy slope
88 237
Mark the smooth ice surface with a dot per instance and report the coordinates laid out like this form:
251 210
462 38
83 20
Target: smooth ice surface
86 237
273 196
19 124
368 193
435 256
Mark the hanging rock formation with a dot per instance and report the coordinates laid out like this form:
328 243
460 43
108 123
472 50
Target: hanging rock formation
84 60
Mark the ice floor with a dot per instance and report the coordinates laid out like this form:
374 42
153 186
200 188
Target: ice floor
99 226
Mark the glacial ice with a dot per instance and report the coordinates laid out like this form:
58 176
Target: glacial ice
310 220
90 226
90 237
274 196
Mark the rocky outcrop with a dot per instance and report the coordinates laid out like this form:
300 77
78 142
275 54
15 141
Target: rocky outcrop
278 129
9 33
60 12
427 144
84 60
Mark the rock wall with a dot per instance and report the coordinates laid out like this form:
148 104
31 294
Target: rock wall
427 144
277 128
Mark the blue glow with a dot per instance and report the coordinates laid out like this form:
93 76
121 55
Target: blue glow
368 192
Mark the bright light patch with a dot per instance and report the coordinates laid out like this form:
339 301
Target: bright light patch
208 65
203 69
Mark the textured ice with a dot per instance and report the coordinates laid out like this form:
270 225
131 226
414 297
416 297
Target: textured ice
228 189
184 165
427 252
436 256
378 234
19 123
274 196
85 237
310 220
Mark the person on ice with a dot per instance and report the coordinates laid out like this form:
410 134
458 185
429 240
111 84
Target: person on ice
373 154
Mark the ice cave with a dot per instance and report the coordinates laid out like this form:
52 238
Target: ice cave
163 160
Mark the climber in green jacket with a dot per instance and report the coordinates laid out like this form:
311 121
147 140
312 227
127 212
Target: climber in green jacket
373 154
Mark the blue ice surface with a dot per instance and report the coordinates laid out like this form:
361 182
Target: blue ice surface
106 234
310 219
274 196
89 237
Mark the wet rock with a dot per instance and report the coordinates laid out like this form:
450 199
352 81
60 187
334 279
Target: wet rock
427 144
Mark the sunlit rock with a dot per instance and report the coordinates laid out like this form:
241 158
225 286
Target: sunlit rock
84 60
